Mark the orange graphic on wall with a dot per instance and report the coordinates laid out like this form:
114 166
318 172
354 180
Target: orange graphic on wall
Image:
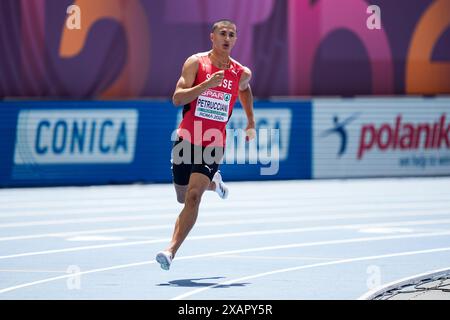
424 76
131 15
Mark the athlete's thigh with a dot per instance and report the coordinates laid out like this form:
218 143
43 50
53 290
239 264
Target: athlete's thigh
198 182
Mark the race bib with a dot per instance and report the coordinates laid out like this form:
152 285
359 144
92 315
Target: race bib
213 105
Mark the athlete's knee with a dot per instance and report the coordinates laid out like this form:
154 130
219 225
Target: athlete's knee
193 197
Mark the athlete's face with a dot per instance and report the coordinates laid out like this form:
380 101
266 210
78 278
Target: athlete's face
224 37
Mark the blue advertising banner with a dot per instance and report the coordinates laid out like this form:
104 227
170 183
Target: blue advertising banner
49 143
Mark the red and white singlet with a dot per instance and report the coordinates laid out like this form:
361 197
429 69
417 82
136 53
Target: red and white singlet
205 119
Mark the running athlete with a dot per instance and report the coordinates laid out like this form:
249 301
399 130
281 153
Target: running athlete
209 85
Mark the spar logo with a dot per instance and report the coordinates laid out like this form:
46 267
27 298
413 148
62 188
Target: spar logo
216 95
227 97
339 128
404 136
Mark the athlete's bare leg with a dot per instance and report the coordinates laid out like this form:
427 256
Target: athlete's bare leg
181 190
198 183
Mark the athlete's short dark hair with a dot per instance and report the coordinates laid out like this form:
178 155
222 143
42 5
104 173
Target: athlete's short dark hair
216 24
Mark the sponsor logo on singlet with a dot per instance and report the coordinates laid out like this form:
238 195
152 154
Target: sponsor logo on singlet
213 105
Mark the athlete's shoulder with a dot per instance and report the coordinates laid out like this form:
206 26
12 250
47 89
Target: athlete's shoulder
191 64
245 70
195 59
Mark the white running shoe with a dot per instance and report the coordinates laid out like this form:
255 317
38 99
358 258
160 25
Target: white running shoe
164 258
221 188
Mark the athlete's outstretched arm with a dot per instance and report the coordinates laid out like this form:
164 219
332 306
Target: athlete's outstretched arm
246 98
184 92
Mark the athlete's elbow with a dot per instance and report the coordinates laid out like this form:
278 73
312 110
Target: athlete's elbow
176 100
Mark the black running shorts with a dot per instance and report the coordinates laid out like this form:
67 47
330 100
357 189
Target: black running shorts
188 158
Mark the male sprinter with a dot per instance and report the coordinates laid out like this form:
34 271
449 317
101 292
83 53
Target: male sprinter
209 85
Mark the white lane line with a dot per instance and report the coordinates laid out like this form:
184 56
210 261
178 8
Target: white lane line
41 210
315 265
228 222
82 202
77 274
55 193
236 256
130 208
32 271
337 190
226 235
198 256
82 220
224 211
